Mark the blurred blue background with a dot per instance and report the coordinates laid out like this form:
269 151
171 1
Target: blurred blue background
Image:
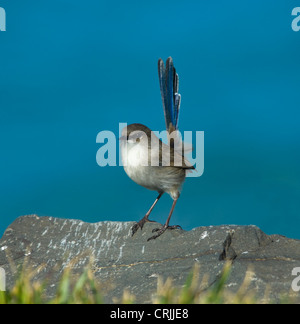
70 69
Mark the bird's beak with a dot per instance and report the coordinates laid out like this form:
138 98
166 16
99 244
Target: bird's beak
123 138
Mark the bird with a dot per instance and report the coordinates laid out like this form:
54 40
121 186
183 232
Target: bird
151 163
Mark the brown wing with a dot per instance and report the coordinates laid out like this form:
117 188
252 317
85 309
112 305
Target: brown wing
165 155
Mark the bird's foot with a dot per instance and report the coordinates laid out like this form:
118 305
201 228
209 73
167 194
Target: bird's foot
140 225
160 231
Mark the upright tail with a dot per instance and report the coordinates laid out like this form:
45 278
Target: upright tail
169 86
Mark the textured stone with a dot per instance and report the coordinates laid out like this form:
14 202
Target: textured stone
120 261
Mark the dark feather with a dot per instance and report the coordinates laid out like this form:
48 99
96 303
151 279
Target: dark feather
169 87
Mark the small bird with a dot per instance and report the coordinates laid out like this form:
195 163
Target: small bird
151 163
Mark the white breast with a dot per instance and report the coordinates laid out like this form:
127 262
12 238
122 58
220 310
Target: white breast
135 162
134 155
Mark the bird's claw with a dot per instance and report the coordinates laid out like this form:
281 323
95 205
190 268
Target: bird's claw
160 231
140 225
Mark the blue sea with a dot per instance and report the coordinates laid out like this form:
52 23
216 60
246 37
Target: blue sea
71 69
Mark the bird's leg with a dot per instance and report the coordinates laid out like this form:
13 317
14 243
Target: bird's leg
160 231
142 222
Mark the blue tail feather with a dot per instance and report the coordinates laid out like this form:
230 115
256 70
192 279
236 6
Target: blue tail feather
169 86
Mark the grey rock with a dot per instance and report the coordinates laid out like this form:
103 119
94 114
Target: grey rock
120 261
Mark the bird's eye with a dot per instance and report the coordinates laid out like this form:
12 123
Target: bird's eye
135 137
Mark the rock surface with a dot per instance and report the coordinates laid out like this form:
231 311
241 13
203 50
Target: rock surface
120 261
